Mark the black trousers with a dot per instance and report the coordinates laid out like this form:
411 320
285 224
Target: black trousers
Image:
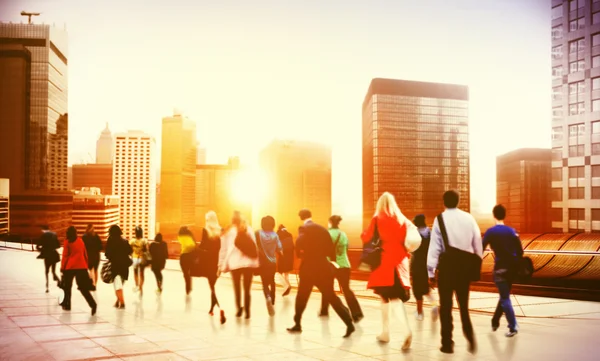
247 274
50 265
450 284
322 278
186 261
82 277
213 294
267 276
158 274
343 277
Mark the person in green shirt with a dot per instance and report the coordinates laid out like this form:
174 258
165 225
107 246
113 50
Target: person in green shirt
342 270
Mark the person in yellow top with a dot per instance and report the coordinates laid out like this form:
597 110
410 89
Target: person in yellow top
140 246
187 257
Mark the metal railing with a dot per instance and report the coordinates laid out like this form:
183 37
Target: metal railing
29 244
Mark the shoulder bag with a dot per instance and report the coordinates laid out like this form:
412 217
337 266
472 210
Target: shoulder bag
371 254
465 264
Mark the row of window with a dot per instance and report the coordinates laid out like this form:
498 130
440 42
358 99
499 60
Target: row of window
574 5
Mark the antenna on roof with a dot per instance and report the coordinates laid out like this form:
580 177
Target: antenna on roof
29 15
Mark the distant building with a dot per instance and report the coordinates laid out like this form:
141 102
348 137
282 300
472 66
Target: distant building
201 156
92 207
134 181
523 180
104 147
176 205
93 175
214 192
297 175
4 207
415 145
34 126
575 62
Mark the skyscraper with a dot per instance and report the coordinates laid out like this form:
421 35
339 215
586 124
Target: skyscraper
34 126
576 115
93 175
177 174
134 181
415 145
523 187
90 206
297 175
104 147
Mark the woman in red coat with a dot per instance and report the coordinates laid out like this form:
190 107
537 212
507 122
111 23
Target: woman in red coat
391 280
75 265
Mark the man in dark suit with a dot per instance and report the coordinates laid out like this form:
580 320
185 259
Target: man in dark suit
313 246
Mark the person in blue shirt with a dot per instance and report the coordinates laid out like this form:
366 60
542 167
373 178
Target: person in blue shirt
505 243
269 246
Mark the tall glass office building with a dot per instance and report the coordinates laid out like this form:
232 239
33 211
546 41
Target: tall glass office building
415 145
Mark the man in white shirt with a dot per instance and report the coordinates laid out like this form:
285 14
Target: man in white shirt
464 234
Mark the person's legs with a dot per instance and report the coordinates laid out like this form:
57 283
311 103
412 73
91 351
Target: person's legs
398 307
67 285
248 274
272 285
462 297
446 291
343 277
118 284
305 287
56 278
325 286
385 321
506 305
186 261
213 295
419 299
142 278
83 282
47 266
236 275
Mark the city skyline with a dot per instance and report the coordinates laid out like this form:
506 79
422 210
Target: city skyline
248 62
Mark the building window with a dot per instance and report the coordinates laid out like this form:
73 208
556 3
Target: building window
557 71
576 108
576 4
577 214
595 148
557 12
577 150
596 171
557 133
557 92
596 61
557 154
596 18
557 194
576 192
577 88
557 32
575 66
595 192
577 24
577 173
556 174
596 83
595 214
557 112
575 46
596 105
557 51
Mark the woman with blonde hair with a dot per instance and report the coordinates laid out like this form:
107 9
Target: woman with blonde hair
391 279
209 258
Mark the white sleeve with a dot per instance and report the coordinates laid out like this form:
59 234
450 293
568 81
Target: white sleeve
435 249
477 243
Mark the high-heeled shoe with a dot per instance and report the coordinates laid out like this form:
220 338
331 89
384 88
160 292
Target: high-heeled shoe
407 343
240 312
223 319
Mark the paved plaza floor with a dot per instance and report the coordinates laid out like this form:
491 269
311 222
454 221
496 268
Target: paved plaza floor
175 327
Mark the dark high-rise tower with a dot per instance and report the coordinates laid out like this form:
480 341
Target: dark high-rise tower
415 145
575 115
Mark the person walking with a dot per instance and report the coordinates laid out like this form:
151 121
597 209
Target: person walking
118 252
462 234
342 274
209 249
313 246
391 280
48 252
508 250
285 262
268 248
159 251
140 261
75 265
93 246
187 258
239 255
418 270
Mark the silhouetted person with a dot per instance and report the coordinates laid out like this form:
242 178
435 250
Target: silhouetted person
74 265
463 234
418 270
48 252
268 247
187 256
313 246
342 274
118 252
140 261
210 246
285 263
93 246
160 253
508 250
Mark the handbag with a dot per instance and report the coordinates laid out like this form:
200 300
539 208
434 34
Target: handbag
525 270
413 238
106 273
464 263
371 254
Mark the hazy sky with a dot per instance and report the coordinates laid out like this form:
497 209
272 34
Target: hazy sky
250 71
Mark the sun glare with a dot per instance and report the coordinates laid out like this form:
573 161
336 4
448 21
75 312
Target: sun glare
248 187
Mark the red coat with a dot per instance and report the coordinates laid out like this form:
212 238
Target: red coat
74 255
392 235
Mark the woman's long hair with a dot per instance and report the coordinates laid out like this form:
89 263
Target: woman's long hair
387 204
212 225
71 234
90 230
